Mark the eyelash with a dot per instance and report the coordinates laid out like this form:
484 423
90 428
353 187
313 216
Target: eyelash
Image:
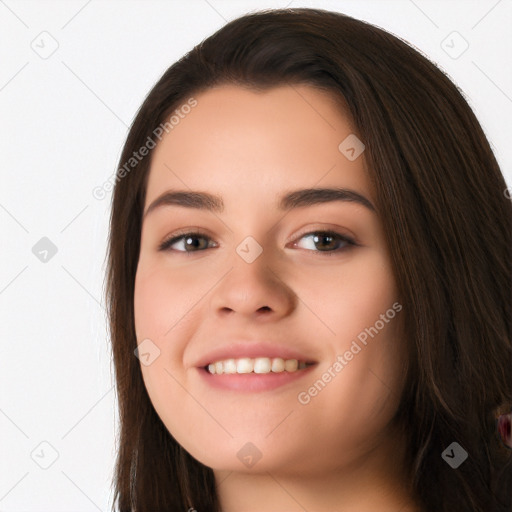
166 244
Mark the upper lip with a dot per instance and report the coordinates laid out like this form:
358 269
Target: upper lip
238 349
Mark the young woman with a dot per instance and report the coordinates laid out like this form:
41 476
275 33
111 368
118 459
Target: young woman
310 281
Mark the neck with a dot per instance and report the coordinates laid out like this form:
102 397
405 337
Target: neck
376 481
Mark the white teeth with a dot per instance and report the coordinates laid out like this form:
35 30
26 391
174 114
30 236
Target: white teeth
277 365
262 365
256 365
244 365
229 366
291 365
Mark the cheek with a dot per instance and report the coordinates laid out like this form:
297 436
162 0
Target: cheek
157 309
161 298
363 311
157 313
146 305
351 298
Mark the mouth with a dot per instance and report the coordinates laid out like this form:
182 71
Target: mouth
257 365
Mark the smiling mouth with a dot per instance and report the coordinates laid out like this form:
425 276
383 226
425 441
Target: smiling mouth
257 365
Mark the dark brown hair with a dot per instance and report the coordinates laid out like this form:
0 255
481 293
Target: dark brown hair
440 196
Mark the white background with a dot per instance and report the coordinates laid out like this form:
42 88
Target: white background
63 121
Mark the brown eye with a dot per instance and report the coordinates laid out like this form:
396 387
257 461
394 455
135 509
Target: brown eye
318 241
191 242
326 241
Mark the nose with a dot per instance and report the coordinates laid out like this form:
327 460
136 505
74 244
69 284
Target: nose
253 290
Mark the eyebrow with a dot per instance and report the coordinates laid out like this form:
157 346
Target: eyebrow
296 199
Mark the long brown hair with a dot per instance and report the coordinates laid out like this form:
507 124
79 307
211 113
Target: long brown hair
448 223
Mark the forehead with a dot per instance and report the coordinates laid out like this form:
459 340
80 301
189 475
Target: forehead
240 142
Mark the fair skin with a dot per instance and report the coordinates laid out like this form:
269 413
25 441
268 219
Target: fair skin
338 451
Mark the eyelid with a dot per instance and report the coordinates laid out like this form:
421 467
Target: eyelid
177 235
338 231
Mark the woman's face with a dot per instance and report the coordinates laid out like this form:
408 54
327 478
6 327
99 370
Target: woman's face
275 274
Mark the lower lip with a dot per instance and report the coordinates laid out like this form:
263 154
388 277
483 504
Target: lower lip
251 382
